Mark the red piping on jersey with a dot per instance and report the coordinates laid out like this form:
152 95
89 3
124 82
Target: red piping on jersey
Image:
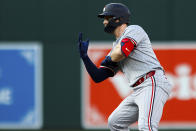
151 102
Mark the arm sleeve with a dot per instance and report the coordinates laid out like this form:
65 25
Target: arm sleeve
109 64
97 74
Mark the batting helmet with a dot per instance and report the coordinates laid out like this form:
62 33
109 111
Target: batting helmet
116 11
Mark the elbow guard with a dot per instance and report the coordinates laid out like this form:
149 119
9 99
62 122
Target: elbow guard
127 45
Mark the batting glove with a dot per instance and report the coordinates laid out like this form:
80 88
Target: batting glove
83 46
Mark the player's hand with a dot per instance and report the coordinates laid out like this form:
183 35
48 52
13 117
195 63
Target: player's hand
83 46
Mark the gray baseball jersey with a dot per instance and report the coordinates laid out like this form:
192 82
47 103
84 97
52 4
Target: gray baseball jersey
142 59
146 103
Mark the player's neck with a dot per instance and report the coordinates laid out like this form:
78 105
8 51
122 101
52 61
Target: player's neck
120 30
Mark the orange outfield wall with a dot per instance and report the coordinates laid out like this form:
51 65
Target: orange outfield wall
99 100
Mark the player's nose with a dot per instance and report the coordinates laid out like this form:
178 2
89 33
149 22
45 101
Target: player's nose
105 21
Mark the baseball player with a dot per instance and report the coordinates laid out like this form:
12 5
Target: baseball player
132 54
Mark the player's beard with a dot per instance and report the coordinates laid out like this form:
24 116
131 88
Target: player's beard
111 26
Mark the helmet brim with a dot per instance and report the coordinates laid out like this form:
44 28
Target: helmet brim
102 15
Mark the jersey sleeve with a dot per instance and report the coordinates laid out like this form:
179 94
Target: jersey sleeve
135 33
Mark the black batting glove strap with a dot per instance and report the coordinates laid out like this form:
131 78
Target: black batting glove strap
107 62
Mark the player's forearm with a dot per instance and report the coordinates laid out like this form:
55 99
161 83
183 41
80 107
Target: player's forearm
97 74
116 54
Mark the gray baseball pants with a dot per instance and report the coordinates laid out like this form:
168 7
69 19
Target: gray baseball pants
144 105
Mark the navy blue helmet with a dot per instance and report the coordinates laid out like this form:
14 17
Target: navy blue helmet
115 11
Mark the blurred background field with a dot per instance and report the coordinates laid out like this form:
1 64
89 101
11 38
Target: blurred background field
55 25
99 130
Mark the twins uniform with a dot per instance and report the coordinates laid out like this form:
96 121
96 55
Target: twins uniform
146 76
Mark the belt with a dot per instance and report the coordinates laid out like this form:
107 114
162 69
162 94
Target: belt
142 79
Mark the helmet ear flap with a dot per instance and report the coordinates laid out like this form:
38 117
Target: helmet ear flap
121 21
124 20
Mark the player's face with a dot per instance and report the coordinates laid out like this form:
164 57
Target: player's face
106 20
